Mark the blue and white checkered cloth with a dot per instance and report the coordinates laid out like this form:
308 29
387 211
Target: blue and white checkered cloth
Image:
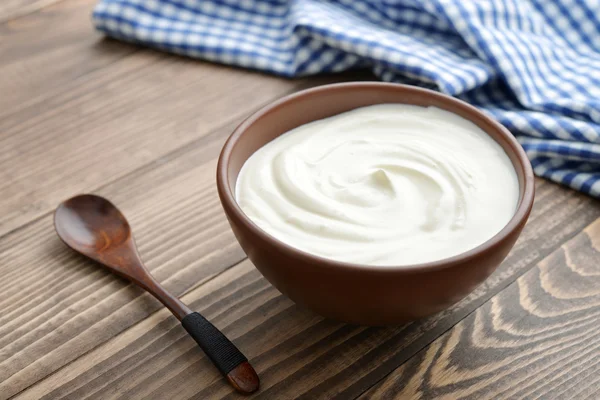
534 65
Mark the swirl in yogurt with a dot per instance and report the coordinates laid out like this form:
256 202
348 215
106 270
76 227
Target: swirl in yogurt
388 184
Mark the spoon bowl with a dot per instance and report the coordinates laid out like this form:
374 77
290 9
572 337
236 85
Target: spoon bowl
91 220
93 226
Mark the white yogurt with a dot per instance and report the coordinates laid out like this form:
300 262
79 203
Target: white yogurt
389 184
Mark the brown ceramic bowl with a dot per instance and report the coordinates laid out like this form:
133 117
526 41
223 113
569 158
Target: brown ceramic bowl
363 294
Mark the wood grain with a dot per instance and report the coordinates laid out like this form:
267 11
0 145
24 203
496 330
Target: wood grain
538 339
62 306
161 338
46 52
296 352
55 306
15 8
114 121
110 121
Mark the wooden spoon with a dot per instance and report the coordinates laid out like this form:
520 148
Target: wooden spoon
94 227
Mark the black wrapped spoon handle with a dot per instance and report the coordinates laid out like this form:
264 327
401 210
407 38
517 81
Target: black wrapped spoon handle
226 357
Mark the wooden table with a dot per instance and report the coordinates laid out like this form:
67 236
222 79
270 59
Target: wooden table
79 113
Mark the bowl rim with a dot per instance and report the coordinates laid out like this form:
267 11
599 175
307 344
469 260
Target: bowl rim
230 204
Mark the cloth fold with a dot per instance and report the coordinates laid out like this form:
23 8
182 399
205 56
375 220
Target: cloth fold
534 65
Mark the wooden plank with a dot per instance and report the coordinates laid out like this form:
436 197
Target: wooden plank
51 299
45 52
114 120
296 352
236 300
55 306
77 117
538 338
10 9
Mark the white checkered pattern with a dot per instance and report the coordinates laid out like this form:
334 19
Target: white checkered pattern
532 64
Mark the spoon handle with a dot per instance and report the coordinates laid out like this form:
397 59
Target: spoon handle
226 357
